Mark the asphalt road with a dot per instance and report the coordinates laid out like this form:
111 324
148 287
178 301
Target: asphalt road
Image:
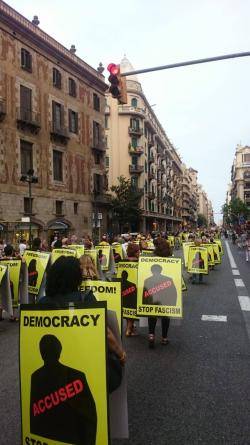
196 390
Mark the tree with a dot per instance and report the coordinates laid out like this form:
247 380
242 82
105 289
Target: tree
233 211
125 204
201 220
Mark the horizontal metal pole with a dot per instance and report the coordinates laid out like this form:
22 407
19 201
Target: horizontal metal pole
189 62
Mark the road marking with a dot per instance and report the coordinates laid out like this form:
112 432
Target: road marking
236 272
214 318
230 256
239 282
244 303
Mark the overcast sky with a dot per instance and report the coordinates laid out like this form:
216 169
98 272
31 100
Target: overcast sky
204 109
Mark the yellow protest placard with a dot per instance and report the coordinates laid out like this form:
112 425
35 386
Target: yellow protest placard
159 287
185 246
79 248
217 255
108 291
2 271
198 260
14 267
103 255
93 254
146 253
127 272
56 253
210 251
37 263
183 284
171 240
63 375
117 252
221 250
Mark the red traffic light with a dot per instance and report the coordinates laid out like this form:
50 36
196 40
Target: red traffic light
113 69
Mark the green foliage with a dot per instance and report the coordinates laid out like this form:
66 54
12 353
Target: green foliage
201 220
125 203
233 211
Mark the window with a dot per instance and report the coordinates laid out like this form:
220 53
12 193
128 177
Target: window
73 121
57 115
75 208
57 165
98 183
27 206
72 87
146 167
146 186
59 208
134 181
25 103
134 102
134 142
134 160
106 121
135 124
96 134
97 158
26 60
246 158
107 161
26 156
96 102
57 78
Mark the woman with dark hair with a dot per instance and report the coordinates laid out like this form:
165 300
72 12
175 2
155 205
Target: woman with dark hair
162 249
36 244
62 287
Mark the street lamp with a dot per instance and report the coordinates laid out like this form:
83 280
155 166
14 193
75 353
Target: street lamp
30 179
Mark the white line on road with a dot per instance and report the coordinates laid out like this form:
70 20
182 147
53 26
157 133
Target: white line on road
236 272
214 318
239 282
230 256
244 303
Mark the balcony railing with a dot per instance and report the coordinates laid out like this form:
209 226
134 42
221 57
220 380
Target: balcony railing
2 109
126 109
136 131
59 133
97 144
135 150
28 120
136 168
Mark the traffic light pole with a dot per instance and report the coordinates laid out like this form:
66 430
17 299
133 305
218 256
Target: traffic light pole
190 62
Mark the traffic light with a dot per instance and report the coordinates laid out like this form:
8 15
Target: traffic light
118 87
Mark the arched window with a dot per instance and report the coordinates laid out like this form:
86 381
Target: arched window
134 102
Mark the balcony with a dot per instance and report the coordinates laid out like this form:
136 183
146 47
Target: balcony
151 143
136 168
135 111
2 109
100 197
135 131
138 190
28 120
59 133
151 159
97 144
135 150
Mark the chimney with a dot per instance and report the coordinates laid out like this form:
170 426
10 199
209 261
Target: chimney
73 49
35 20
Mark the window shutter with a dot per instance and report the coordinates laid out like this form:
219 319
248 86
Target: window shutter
76 122
70 120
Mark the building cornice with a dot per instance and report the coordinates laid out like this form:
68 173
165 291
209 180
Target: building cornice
43 41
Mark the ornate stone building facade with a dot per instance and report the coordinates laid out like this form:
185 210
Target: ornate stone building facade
51 121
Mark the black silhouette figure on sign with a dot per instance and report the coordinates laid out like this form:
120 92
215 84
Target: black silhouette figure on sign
129 291
159 289
62 407
32 273
198 262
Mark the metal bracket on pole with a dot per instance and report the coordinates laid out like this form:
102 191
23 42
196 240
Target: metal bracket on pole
190 62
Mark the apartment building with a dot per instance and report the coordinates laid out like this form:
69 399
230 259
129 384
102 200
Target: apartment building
139 149
240 174
51 124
